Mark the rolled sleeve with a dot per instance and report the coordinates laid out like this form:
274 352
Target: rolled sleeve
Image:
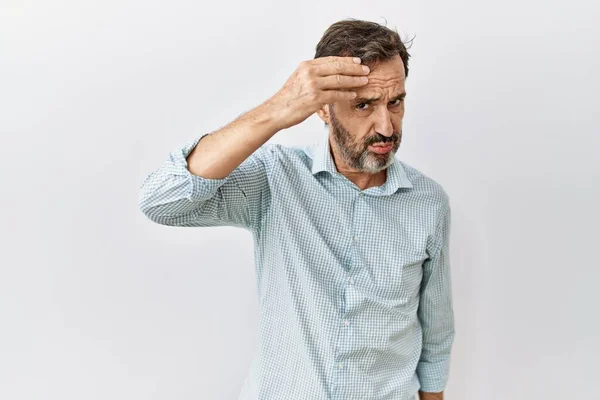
200 188
172 195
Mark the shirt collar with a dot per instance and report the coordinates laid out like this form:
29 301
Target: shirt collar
323 161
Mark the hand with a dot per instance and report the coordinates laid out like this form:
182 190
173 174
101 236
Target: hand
431 396
315 83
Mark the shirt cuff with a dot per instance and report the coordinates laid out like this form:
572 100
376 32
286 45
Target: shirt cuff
200 188
433 377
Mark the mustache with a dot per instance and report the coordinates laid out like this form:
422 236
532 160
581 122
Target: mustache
384 139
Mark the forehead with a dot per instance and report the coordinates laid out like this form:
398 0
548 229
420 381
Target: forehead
386 77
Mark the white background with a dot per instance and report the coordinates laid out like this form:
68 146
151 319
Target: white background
97 302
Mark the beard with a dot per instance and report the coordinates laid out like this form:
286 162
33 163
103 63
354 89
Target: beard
356 153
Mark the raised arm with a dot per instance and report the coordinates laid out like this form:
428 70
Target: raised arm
222 178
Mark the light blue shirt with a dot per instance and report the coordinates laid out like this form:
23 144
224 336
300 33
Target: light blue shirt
353 286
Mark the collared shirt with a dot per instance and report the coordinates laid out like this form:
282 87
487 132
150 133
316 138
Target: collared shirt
353 285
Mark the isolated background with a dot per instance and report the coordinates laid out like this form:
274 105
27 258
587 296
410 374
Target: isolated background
97 302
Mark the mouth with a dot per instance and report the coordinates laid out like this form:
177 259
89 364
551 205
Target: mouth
381 149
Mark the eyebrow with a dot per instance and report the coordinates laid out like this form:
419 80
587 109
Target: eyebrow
369 100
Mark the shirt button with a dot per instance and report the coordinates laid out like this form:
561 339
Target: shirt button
346 322
351 280
340 365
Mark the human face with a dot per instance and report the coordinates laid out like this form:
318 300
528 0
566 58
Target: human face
373 118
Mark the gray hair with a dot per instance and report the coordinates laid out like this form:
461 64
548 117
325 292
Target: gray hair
370 41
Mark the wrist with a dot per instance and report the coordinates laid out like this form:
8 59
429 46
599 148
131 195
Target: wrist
284 111
431 396
265 118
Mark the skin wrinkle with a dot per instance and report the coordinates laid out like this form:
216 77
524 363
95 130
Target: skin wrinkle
352 129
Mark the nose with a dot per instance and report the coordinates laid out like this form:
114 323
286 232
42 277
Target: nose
383 122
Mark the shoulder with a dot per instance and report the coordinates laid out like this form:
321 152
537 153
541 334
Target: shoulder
426 188
287 155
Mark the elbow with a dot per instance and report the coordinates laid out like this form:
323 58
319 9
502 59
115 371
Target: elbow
155 217
153 212
169 214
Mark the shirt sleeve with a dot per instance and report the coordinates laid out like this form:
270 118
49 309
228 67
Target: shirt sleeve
172 195
436 311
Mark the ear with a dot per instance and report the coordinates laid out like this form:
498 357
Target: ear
323 113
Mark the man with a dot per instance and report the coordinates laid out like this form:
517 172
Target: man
351 244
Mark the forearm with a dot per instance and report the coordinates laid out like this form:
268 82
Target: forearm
314 83
431 396
221 152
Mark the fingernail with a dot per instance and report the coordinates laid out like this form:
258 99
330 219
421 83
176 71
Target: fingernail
357 60
365 68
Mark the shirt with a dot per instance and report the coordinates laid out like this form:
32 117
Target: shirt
353 285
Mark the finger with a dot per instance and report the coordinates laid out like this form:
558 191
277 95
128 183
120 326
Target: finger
333 59
332 96
341 82
340 68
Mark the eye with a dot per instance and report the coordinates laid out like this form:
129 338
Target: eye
362 106
396 102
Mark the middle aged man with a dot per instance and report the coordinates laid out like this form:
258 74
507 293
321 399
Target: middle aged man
351 244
